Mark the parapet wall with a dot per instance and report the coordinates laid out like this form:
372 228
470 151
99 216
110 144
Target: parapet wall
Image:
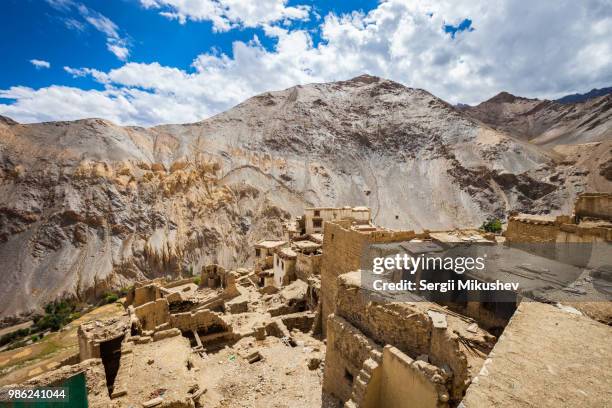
560 230
527 230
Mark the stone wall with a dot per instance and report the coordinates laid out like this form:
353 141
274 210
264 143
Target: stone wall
153 314
347 349
526 230
201 320
562 229
95 379
146 294
342 252
406 383
363 322
594 205
307 265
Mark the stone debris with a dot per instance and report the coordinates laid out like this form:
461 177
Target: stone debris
153 402
438 319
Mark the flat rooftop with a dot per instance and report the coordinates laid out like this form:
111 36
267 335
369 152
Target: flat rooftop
459 236
545 354
270 243
306 245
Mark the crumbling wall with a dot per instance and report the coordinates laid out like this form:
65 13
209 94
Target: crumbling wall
409 327
95 379
153 314
145 294
307 265
521 230
407 383
342 252
178 282
200 320
212 276
301 321
88 348
594 205
347 349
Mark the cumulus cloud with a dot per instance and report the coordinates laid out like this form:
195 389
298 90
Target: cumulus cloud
227 14
40 63
533 50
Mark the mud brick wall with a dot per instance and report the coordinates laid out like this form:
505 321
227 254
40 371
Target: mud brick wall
521 231
153 314
200 320
595 206
307 265
347 349
342 252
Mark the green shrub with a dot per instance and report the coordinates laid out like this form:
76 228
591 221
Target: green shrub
57 314
74 316
111 298
197 280
493 225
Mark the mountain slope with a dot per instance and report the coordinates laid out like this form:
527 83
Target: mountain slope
547 123
89 205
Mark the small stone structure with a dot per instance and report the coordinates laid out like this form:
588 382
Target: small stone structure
264 252
315 217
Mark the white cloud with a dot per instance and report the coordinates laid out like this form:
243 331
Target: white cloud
227 14
115 42
532 50
40 63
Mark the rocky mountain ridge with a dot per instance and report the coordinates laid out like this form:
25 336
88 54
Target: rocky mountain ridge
89 205
547 123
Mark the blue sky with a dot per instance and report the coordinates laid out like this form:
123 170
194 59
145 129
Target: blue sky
45 34
146 62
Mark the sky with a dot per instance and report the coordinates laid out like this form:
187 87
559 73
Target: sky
148 62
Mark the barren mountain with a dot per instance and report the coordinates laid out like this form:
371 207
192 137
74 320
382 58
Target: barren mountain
593 93
547 123
88 205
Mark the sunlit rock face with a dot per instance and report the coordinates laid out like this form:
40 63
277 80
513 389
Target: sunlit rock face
88 205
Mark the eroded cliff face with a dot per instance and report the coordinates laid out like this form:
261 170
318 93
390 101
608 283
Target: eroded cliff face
88 205
105 225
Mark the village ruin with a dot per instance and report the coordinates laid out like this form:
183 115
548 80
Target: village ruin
299 328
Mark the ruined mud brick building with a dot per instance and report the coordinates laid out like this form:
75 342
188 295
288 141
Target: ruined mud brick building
163 340
315 217
590 222
391 352
279 262
380 350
